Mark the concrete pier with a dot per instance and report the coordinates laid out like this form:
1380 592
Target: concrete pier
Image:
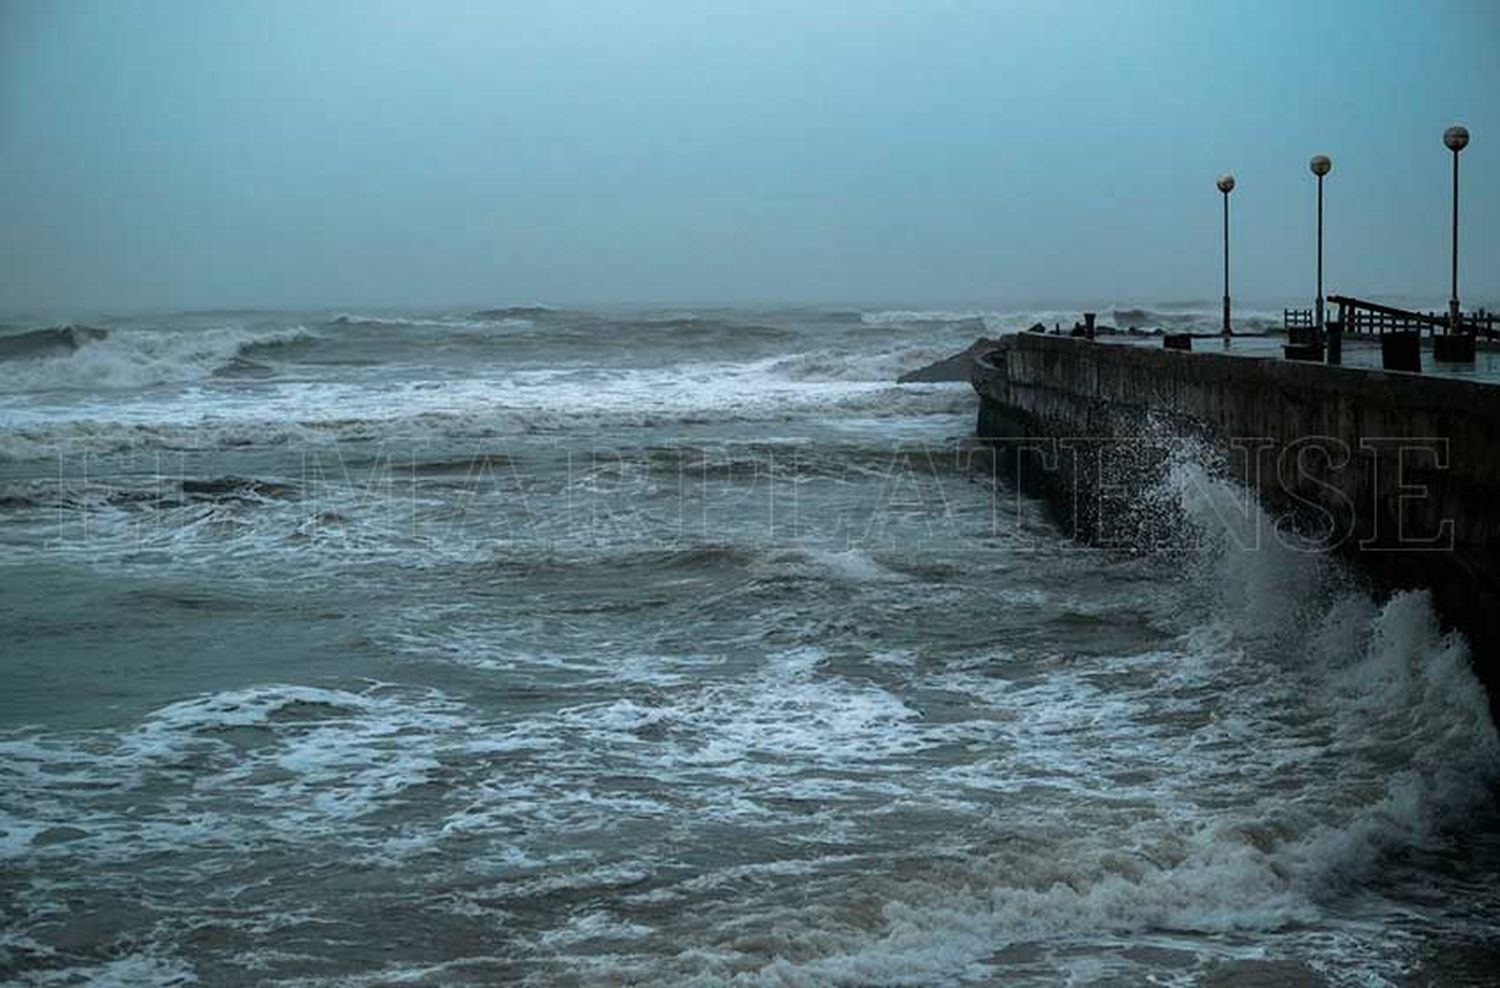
1399 473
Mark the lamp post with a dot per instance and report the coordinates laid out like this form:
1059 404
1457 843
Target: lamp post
1321 165
1456 138
1226 185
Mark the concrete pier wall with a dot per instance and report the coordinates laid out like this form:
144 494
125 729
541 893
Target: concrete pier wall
1400 473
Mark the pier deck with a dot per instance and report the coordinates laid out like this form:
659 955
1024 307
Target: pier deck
1359 352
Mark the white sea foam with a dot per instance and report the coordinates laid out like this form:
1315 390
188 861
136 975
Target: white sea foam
1409 751
136 358
325 413
306 758
136 971
1218 784
1103 771
593 926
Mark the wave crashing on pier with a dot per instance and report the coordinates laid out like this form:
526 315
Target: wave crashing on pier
679 647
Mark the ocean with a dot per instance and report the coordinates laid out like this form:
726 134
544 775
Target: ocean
642 647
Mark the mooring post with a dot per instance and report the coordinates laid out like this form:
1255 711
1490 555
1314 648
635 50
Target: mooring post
1226 186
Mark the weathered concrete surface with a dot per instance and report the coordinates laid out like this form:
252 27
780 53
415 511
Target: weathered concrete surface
959 367
1399 472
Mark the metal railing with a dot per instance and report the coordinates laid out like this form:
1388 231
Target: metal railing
1359 317
1297 319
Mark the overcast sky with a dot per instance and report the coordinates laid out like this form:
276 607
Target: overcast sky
213 153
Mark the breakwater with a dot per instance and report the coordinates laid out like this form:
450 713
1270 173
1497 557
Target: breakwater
1399 473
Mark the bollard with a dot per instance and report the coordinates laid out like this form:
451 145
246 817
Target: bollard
1088 325
1336 341
1302 335
1401 350
1453 348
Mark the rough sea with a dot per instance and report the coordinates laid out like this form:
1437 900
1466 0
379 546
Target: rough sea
550 647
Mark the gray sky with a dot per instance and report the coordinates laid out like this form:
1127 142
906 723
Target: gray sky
211 153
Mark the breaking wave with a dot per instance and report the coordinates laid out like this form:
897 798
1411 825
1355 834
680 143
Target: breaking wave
59 340
1231 783
1215 786
866 364
136 358
519 402
1194 319
730 760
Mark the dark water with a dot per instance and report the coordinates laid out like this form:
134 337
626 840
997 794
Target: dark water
677 648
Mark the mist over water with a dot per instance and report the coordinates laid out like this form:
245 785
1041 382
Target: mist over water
552 646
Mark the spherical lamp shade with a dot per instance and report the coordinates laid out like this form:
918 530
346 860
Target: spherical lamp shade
1226 183
1456 137
1320 164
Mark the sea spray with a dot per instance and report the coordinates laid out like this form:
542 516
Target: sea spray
1359 729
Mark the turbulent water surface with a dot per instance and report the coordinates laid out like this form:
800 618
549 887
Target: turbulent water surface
551 647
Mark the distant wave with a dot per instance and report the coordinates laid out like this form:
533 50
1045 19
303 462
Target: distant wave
882 365
478 320
1189 318
987 323
78 357
523 401
689 328
565 326
48 342
513 312
897 317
